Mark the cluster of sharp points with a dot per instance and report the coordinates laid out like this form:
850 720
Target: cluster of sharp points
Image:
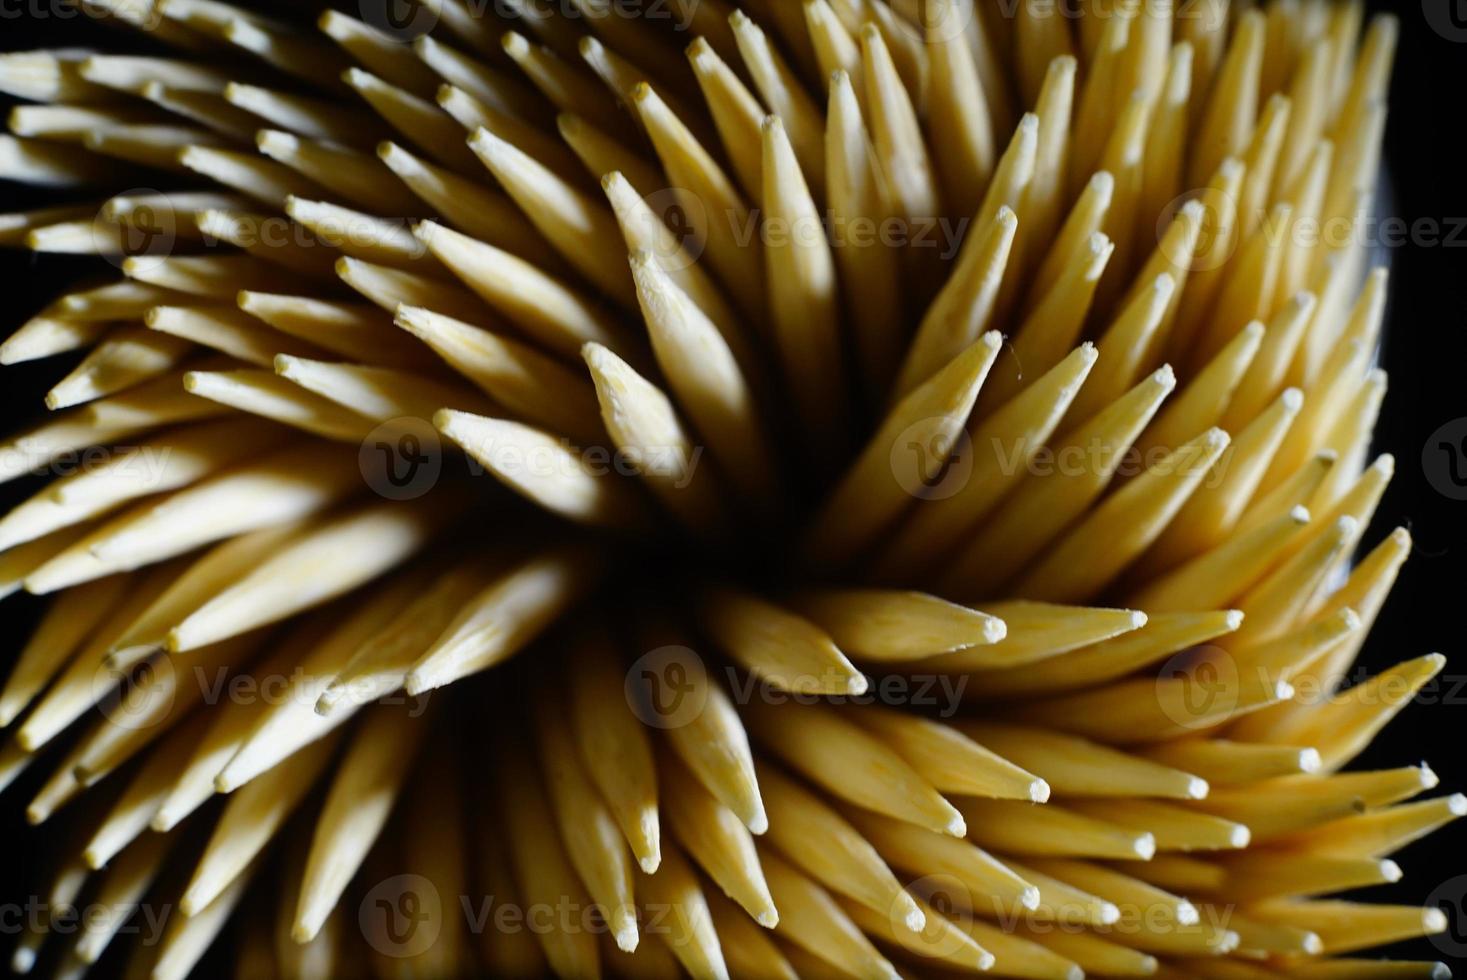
1063 412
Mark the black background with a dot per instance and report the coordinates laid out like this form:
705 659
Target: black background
1423 353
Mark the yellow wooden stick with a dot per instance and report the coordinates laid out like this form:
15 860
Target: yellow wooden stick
547 310
363 792
614 747
813 921
1004 444
1019 529
1075 767
903 458
249 821
541 869
470 207
951 760
778 646
717 839
1163 634
851 764
705 378
676 892
581 229
891 626
1040 631
515 375
593 842
1143 507
505 615
736 113
1027 829
799 270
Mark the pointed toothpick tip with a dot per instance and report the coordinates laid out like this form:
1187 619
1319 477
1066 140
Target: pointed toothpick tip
914 918
624 929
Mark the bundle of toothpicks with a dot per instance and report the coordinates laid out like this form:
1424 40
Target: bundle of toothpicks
739 489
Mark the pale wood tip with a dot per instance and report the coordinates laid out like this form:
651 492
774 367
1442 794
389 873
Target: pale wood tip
514 44
914 918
